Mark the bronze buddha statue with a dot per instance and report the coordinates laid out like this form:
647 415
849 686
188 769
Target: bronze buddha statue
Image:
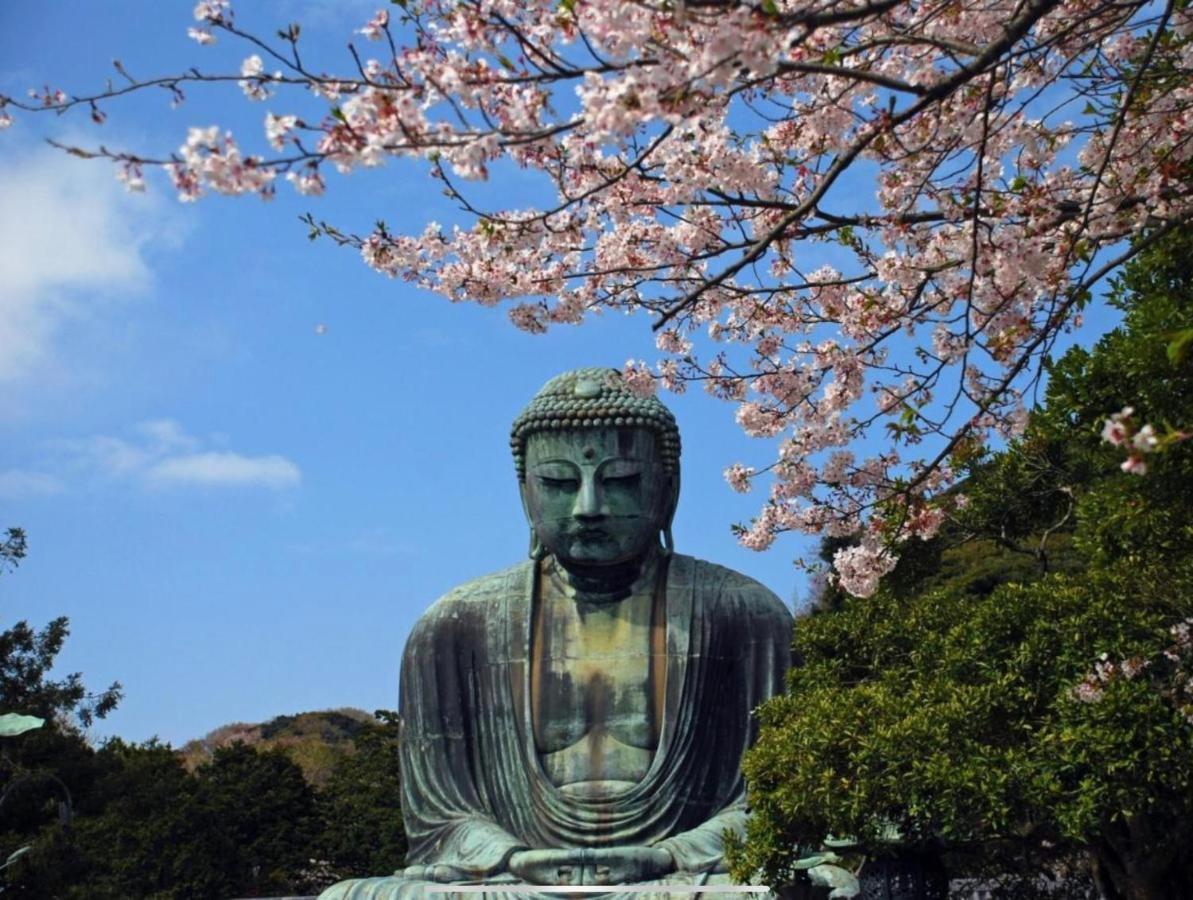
580 718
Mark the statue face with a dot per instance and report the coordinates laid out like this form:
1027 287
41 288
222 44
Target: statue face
596 496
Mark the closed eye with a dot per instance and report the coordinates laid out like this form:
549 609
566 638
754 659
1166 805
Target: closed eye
624 481
559 484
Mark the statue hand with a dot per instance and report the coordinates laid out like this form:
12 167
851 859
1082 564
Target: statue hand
548 866
439 872
628 865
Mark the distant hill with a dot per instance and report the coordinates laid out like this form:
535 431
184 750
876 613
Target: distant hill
314 740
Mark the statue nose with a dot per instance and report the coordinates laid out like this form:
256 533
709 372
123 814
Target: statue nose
589 502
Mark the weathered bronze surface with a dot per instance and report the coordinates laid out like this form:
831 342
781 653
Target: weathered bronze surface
580 718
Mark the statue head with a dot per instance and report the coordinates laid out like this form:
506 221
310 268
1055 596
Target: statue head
598 467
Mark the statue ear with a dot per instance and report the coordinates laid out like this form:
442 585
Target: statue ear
672 501
522 497
536 551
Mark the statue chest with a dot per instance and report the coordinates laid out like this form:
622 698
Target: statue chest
596 682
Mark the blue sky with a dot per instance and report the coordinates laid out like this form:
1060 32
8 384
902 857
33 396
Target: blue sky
240 516
246 462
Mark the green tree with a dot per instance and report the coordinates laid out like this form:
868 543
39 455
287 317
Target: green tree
133 822
243 825
27 655
1018 697
12 548
139 831
361 805
42 772
259 821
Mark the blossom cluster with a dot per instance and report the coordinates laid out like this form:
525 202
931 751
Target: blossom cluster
698 156
1171 670
1120 431
860 568
210 160
1092 687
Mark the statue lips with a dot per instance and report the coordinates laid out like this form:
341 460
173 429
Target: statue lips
591 534
597 528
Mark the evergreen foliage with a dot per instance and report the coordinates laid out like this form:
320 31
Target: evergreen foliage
244 824
361 805
1018 696
12 548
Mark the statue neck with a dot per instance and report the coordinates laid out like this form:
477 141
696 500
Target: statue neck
604 584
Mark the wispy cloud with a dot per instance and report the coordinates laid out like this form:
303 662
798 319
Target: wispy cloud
69 236
158 454
18 484
229 469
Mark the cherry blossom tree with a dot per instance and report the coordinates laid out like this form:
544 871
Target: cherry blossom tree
972 169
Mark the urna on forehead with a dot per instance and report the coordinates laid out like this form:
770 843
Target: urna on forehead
594 398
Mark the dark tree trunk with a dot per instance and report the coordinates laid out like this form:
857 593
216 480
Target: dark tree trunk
1131 862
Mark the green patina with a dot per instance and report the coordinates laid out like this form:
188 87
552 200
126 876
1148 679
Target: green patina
580 718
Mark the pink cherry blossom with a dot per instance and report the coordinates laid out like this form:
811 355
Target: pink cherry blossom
1182 635
1134 465
374 29
252 72
212 10
638 378
132 177
1145 439
308 182
1169 672
1114 432
278 128
842 219
1120 430
214 161
859 569
1133 667
738 477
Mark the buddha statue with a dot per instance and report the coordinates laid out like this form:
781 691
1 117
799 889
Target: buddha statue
580 718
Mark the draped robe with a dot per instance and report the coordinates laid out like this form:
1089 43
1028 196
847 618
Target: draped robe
473 788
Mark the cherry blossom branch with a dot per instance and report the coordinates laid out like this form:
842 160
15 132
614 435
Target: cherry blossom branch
703 163
1015 30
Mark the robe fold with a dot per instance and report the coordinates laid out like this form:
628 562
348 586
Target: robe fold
473 788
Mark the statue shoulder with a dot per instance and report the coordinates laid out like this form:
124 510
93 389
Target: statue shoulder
473 600
736 593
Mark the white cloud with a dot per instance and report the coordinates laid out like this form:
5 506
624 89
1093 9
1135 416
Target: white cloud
69 237
165 435
230 469
105 455
161 454
20 483
102 454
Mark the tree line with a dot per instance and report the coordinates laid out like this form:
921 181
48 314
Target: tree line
125 820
